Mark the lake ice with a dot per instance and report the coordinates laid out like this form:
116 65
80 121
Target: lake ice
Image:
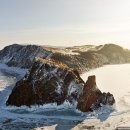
111 78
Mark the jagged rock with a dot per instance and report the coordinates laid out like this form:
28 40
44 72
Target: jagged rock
47 82
89 95
92 97
107 99
24 56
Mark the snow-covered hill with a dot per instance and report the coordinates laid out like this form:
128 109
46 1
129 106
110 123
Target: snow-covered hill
82 58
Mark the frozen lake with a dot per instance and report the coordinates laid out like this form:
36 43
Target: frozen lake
111 78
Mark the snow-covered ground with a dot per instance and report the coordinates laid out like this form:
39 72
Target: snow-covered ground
112 78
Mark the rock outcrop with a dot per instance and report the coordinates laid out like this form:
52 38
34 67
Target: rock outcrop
50 81
47 82
92 97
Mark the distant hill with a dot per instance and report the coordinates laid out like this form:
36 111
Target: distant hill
82 58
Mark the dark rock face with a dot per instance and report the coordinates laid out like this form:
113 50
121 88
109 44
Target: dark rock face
92 97
47 82
89 95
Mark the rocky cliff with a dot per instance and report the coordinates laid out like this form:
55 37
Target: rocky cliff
50 81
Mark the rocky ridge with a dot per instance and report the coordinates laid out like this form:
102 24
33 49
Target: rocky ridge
82 58
47 81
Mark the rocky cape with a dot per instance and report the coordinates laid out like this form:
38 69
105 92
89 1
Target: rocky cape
82 58
50 81
54 74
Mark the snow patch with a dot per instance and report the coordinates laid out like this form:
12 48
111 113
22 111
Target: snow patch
58 88
49 106
72 88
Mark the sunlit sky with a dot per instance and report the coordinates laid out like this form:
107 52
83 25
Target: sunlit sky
65 22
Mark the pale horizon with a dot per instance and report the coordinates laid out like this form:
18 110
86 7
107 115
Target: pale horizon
65 22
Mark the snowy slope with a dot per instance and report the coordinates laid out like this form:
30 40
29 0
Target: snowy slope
83 58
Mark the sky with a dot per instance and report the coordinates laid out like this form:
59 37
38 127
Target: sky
65 22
